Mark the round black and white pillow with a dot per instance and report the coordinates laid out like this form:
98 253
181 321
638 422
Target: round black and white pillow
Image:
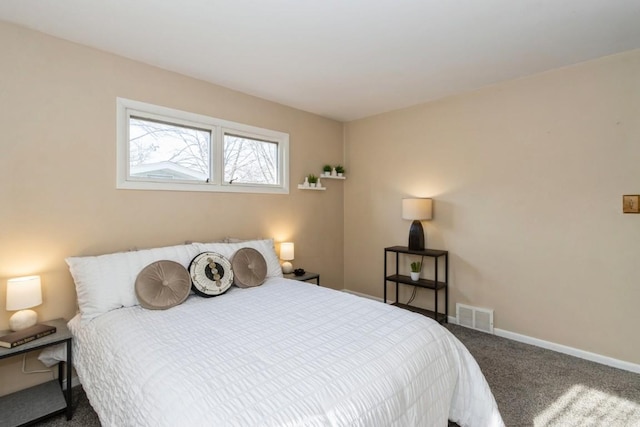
211 274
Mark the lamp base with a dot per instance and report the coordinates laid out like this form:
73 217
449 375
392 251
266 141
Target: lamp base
23 319
287 267
416 236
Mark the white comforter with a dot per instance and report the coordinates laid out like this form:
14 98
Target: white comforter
286 353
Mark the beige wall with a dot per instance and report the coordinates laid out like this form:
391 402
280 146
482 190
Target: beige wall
57 172
527 178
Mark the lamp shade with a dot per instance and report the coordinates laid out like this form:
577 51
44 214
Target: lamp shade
420 209
286 251
23 292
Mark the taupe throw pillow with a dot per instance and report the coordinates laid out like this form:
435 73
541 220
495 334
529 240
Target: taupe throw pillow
162 285
249 268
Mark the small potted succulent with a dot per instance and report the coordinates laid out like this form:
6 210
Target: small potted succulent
312 180
416 267
326 169
340 170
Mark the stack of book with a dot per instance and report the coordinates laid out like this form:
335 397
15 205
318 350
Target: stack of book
24 336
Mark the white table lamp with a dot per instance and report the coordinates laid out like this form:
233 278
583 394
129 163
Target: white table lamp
286 254
23 293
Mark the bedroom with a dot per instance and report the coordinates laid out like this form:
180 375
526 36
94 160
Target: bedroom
526 176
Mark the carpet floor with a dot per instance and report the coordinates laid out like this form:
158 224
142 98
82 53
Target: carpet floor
538 387
532 386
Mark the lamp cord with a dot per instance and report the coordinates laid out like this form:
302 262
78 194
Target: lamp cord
415 289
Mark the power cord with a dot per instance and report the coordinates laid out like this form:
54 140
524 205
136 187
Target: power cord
413 295
415 289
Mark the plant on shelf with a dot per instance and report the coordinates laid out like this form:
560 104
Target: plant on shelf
340 170
416 267
312 180
327 170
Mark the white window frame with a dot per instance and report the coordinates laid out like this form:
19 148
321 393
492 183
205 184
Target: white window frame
125 108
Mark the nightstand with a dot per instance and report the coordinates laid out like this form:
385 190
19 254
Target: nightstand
305 277
43 400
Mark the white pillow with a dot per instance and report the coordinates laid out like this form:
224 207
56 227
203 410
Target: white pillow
107 282
265 247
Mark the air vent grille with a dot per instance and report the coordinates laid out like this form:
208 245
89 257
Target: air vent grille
477 318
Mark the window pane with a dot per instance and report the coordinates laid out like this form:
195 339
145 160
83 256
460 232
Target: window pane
250 161
165 151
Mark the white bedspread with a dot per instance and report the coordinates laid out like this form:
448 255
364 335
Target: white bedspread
286 353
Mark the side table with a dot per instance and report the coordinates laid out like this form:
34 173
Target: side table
305 277
44 400
437 284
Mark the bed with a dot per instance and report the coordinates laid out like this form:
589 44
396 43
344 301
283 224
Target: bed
286 353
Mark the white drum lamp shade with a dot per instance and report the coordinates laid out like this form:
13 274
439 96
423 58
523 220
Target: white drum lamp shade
287 254
22 294
417 210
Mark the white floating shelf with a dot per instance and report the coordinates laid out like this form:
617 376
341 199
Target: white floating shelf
302 187
332 177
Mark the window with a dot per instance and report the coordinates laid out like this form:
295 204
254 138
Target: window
250 161
165 149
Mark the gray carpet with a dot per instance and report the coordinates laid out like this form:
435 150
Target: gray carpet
538 387
533 387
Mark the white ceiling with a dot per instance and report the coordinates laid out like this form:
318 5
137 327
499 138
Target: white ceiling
343 59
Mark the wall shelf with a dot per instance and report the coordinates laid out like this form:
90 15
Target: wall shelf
320 178
302 187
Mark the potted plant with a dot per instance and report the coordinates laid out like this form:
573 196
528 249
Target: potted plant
416 267
340 170
326 169
312 180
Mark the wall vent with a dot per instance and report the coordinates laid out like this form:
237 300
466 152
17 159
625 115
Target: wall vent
477 318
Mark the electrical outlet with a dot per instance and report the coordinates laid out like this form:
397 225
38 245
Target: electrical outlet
631 203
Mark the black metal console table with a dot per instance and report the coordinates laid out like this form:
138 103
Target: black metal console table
436 285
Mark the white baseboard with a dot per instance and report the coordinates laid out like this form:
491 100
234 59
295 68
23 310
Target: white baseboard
389 301
582 354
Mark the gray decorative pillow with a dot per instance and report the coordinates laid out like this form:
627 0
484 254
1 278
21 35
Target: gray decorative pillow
249 268
162 285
